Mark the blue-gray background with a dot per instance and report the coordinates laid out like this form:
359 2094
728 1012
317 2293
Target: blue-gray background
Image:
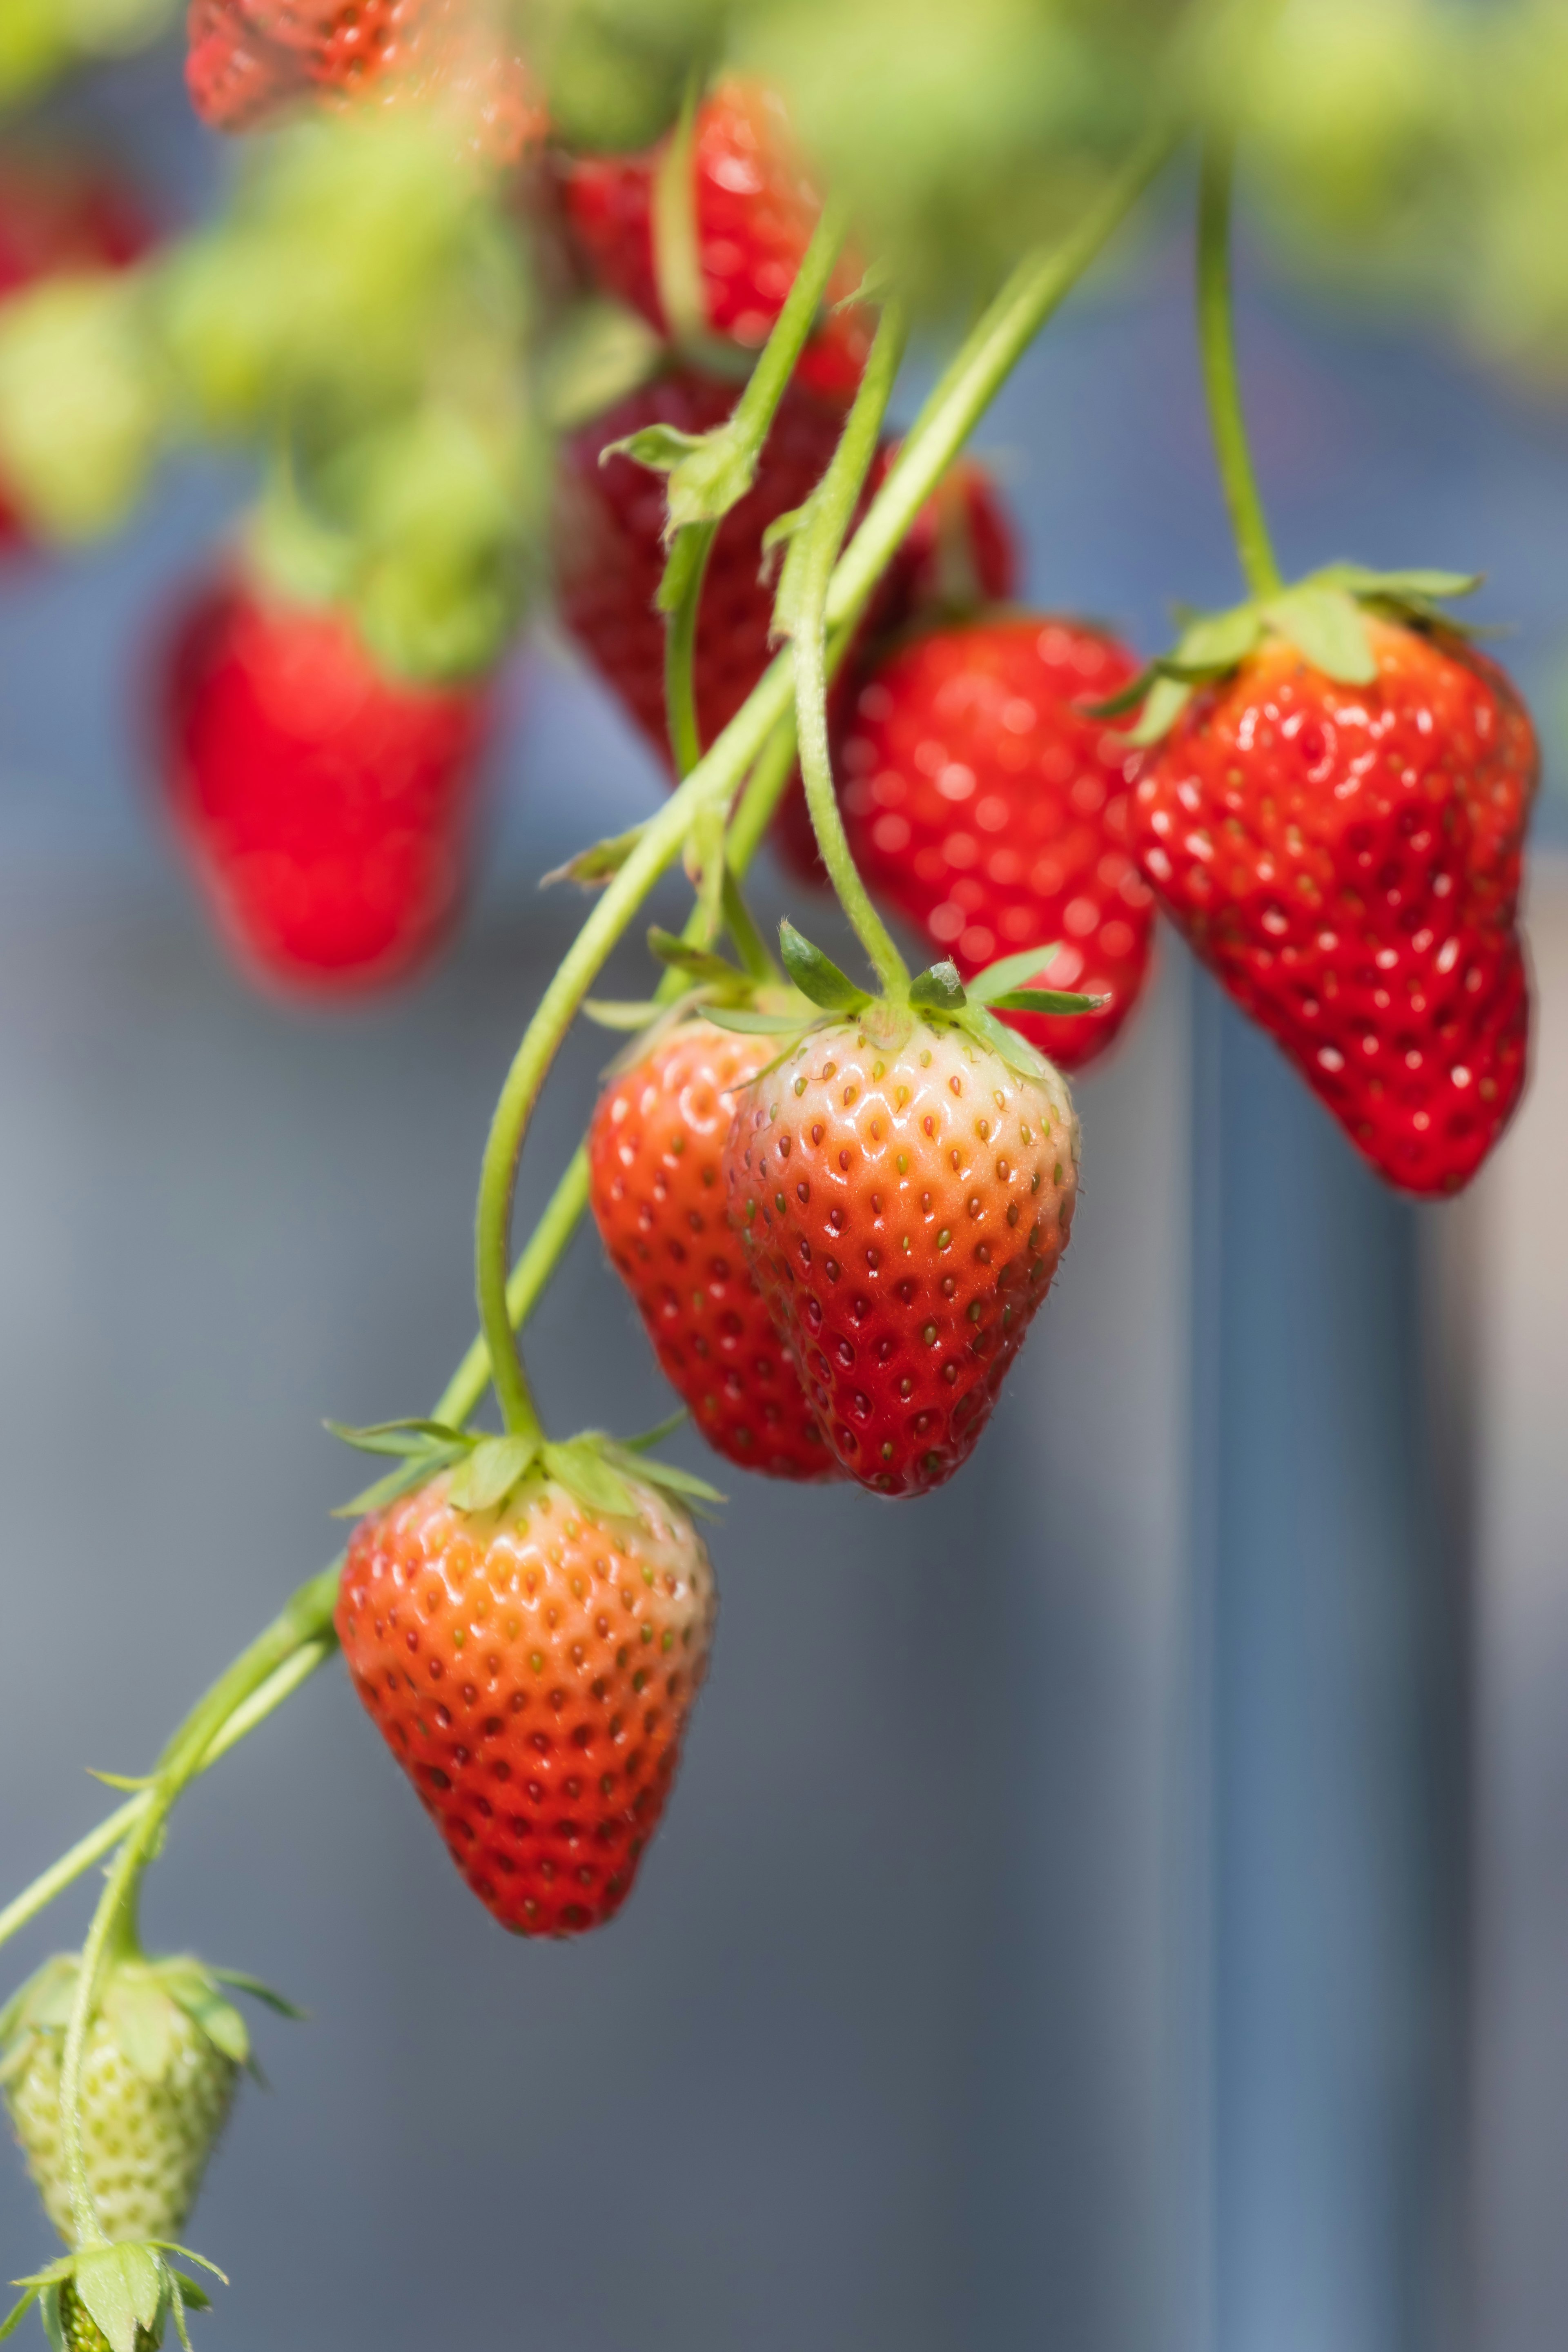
1060 1934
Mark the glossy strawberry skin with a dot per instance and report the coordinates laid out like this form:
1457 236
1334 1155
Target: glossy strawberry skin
58 216
1346 860
985 806
610 550
656 1187
904 1210
754 212
532 1670
323 806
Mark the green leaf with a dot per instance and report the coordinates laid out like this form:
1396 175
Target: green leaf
701 962
816 975
580 1464
1017 1052
1329 628
400 1437
265 1993
1216 642
1010 972
939 990
141 2014
597 861
747 1021
659 448
121 2287
1168 698
485 1480
1045 1000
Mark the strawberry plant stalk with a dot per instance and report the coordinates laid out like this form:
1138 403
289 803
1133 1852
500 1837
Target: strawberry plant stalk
759 740
1217 341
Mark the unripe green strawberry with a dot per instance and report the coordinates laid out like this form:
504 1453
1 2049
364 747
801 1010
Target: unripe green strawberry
163 2055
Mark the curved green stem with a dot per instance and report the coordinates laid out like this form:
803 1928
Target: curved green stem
1216 339
810 568
681 591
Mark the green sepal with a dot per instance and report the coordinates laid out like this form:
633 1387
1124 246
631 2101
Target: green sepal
123 2288
267 1994
580 1465
400 1437
1329 628
1045 1000
1010 972
1167 699
50 2313
938 990
413 1473
701 963
493 1467
601 352
598 862
659 448
130 1780
20 2310
622 1013
141 2015
709 472
817 976
1020 1056
219 2019
654 1436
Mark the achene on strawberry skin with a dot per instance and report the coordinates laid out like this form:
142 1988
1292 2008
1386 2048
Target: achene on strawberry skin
905 1208
656 1187
532 1668
1346 859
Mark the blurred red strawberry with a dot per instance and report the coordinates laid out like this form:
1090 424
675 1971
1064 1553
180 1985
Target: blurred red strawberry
323 806
58 216
755 211
247 61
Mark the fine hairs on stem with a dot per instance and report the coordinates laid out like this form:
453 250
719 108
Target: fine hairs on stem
758 743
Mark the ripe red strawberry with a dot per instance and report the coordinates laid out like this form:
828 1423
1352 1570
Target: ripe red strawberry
610 551
904 1200
657 1184
323 806
985 806
249 60
754 210
532 1667
1346 860
59 216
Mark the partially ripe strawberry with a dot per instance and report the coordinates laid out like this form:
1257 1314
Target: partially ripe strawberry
988 808
163 2055
904 1199
532 1667
323 806
656 1187
754 214
1346 859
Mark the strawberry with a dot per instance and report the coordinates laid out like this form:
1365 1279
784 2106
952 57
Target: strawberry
163 2055
1343 853
531 1657
609 540
754 214
248 61
323 806
903 1179
58 219
988 808
656 1186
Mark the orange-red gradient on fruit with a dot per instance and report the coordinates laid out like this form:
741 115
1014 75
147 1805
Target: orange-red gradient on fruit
905 1211
323 806
531 1669
658 1188
986 807
1346 859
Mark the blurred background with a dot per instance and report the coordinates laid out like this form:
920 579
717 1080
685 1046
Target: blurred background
1123 1900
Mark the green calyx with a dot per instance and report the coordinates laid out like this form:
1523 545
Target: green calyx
938 997
141 2002
119 2296
1324 616
491 1472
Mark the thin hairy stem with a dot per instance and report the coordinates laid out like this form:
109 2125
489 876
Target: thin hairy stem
1222 386
682 591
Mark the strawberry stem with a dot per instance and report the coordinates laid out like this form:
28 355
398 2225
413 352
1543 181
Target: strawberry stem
802 593
1217 341
683 578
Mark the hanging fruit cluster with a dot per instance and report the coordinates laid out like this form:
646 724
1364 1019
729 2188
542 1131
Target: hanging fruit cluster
551 304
